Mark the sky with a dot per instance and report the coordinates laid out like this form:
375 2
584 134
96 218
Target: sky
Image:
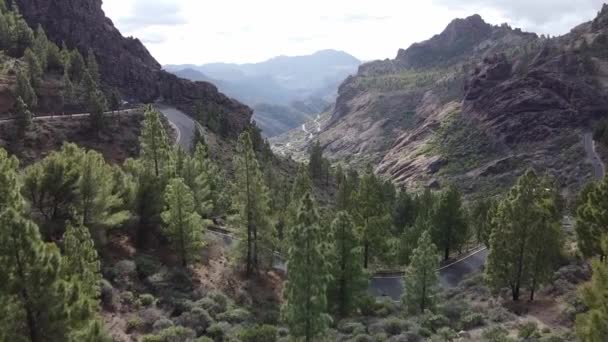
247 31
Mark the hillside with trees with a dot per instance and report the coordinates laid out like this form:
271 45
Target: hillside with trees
227 241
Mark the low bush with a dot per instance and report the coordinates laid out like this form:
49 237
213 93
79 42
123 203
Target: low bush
495 334
134 323
259 333
446 334
471 321
146 266
434 322
351 328
198 319
172 334
147 299
528 330
127 298
219 331
162 324
394 326
235 316
362 338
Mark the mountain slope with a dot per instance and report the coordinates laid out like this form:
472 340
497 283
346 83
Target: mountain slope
475 106
276 88
124 62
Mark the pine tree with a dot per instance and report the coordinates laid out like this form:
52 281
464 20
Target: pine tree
481 218
34 67
408 239
346 192
525 236
592 218
92 66
25 90
68 89
115 100
98 205
421 279
450 225
305 308
183 225
315 163
300 187
372 215
349 280
592 325
77 66
22 34
51 185
251 203
40 47
24 116
9 180
404 211
81 263
97 107
5 34
154 143
41 301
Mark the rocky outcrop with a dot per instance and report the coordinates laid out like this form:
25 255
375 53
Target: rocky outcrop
124 63
458 38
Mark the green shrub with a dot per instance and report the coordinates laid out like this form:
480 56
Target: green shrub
447 334
210 305
472 320
381 337
204 339
218 331
393 325
259 333
528 330
127 298
197 319
363 338
172 334
220 299
434 322
385 307
496 334
147 299
367 305
134 323
454 309
350 328
162 324
235 316
146 266
424 332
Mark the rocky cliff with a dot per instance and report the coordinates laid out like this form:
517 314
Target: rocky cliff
124 63
475 106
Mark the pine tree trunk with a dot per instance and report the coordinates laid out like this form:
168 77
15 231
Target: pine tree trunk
446 254
516 292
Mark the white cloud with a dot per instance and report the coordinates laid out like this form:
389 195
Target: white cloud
194 31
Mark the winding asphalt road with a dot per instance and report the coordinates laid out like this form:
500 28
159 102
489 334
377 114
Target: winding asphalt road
182 123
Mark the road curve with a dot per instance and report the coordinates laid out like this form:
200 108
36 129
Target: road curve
183 123
599 169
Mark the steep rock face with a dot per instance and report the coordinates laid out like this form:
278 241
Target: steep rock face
476 106
389 98
124 63
458 38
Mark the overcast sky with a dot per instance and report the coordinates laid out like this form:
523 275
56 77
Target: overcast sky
200 31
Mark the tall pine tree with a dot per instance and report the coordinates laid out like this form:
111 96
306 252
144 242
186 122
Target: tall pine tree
305 308
450 224
525 238
592 325
183 225
251 204
421 278
349 281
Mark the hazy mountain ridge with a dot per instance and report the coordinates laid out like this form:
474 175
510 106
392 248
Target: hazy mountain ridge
275 85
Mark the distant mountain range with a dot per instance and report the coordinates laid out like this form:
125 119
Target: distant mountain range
284 91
